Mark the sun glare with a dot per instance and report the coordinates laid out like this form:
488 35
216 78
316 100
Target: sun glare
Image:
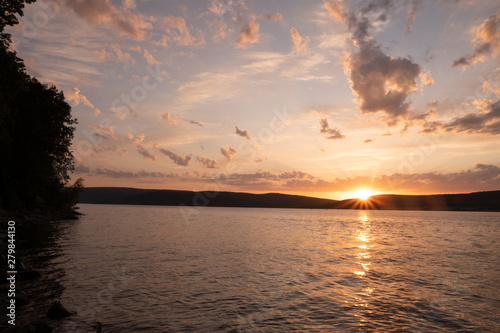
363 194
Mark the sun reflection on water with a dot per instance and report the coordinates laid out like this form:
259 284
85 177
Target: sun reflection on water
363 237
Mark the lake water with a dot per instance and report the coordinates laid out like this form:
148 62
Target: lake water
150 269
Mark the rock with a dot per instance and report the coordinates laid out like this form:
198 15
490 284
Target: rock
57 311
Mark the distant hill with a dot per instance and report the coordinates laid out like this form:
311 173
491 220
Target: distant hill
479 201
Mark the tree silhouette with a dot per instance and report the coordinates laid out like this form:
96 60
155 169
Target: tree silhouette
35 132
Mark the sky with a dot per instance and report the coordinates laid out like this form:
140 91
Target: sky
318 98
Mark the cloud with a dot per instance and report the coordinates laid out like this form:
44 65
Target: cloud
178 159
381 83
105 12
168 119
178 33
249 34
272 17
413 7
334 133
228 152
492 85
105 132
244 134
197 123
485 122
368 141
479 177
150 59
145 153
335 9
137 139
115 55
427 79
227 13
486 42
116 173
207 163
74 95
299 44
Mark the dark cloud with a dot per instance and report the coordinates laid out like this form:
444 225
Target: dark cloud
207 163
486 121
228 152
381 83
244 134
145 153
334 133
487 41
178 159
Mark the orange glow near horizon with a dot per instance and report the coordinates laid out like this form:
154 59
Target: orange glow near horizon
363 194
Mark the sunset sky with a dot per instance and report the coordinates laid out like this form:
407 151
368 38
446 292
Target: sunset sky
318 98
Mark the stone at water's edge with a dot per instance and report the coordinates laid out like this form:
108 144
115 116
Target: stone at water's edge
57 311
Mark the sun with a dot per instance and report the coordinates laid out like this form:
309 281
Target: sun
363 194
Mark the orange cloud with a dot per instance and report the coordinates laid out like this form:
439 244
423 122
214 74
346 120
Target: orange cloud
299 44
149 58
77 98
249 34
178 33
105 12
228 152
335 9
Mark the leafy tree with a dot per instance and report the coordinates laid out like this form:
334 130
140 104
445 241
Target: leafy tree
35 132
8 11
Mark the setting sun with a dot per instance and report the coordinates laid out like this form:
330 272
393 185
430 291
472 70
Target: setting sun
363 194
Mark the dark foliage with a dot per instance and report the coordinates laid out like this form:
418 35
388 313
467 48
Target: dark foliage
35 133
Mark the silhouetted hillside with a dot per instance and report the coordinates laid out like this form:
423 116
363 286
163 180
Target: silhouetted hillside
131 196
479 201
